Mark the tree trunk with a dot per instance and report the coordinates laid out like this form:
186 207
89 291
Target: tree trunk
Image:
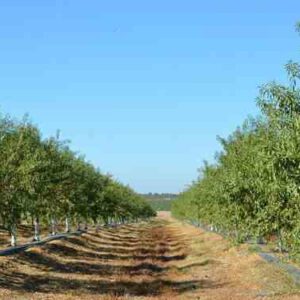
13 234
67 224
280 241
36 229
53 227
96 224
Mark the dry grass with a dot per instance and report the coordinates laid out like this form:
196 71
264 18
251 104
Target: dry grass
163 259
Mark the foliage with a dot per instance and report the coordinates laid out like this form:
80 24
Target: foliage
253 187
43 180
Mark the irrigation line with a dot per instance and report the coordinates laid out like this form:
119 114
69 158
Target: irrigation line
21 248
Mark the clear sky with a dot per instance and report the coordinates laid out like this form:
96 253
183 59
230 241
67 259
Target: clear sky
142 87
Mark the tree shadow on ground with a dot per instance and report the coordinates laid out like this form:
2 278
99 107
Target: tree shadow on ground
22 282
68 251
118 238
47 263
196 264
141 248
148 250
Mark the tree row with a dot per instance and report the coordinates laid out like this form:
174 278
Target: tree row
43 181
252 189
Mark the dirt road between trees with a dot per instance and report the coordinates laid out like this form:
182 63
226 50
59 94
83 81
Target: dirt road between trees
160 259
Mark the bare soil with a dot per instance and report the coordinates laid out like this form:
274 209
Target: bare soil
161 259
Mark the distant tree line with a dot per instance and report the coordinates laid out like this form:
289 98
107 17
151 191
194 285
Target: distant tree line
252 190
44 181
160 202
166 196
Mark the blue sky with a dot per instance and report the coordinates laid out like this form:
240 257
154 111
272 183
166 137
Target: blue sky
142 87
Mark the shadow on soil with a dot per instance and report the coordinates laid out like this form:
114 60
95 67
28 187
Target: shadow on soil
125 251
32 283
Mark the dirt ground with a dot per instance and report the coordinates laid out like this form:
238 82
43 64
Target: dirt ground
161 259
